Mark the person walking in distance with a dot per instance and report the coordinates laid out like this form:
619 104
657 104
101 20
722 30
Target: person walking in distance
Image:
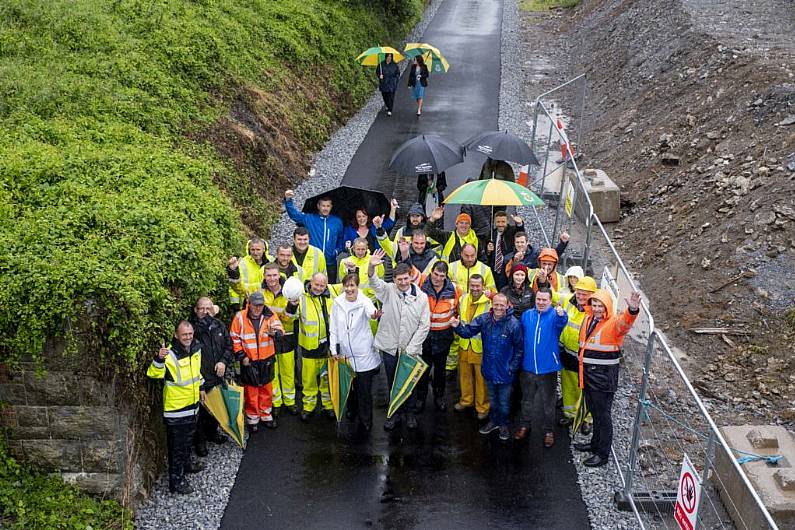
388 76
402 329
542 327
418 80
601 337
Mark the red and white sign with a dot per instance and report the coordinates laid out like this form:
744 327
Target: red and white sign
688 496
566 150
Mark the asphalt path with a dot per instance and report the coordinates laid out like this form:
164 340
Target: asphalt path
444 475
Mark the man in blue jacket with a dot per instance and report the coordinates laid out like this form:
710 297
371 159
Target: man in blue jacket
501 334
325 230
542 327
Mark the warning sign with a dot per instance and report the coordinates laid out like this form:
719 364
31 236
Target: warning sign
568 202
687 496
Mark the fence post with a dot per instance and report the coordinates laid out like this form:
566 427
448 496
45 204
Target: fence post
644 388
535 126
587 249
546 158
560 202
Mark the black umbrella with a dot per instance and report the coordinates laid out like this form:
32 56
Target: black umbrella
502 145
427 153
345 200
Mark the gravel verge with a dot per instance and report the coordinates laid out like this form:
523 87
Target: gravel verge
204 508
597 486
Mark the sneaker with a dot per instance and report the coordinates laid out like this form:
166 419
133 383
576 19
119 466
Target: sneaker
488 428
458 407
389 113
419 113
411 422
483 416
505 433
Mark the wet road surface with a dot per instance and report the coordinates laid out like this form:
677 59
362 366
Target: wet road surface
444 475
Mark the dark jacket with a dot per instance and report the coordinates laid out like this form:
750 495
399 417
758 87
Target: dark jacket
480 219
391 74
506 244
503 346
520 300
498 169
423 75
420 261
422 186
530 258
216 346
351 234
541 337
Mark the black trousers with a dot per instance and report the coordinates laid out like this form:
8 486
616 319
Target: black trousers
179 438
601 404
362 394
434 352
545 385
390 367
206 426
389 100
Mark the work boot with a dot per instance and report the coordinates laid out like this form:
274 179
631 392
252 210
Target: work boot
488 428
292 409
194 467
271 423
411 422
218 438
391 423
549 439
583 447
201 448
305 416
183 488
585 428
595 461
458 407
275 411
252 428
521 433
483 416
330 414
440 403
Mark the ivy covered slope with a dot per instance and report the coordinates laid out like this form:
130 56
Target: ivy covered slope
125 178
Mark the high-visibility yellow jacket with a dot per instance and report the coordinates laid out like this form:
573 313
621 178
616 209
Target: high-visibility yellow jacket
570 337
460 274
314 262
277 303
452 248
181 372
465 305
313 331
249 280
362 265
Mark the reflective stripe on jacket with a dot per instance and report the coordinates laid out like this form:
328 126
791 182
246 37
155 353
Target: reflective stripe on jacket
314 262
460 275
443 305
452 248
481 306
246 342
249 279
181 372
570 338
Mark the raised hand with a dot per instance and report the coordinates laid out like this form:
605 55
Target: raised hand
542 276
233 263
289 194
377 258
403 246
394 204
490 247
564 236
437 213
163 351
634 300
378 220
517 220
559 310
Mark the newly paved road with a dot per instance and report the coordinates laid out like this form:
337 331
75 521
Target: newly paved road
444 475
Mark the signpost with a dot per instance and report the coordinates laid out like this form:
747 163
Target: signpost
688 496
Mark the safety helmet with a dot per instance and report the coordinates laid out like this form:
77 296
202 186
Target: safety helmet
586 283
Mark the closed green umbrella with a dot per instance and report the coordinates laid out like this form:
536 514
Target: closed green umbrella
225 403
407 374
340 380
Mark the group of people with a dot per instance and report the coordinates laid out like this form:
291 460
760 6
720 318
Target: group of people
488 305
388 75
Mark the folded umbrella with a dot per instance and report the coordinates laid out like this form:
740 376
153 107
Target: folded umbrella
225 403
433 58
426 154
407 374
502 145
340 380
581 415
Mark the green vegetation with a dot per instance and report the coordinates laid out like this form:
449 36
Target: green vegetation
116 208
545 5
30 500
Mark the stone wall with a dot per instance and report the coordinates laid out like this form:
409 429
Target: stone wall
66 420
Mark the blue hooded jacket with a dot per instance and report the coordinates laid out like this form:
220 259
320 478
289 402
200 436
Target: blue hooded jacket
541 336
325 233
502 345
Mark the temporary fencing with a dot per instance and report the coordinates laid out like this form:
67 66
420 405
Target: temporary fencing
671 422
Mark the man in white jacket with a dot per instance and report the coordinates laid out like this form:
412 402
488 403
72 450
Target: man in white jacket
404 325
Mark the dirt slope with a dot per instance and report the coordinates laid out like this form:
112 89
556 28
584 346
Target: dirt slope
693 115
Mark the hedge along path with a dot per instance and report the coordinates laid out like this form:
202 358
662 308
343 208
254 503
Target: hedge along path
111 218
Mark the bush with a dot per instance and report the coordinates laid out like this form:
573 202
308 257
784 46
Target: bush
30 501
111 222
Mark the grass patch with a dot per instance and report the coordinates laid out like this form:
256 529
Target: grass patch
546 5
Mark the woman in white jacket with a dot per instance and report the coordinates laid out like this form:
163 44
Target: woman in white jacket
352 339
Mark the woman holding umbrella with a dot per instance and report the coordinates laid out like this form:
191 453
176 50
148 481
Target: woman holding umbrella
388 76
352 339
418 80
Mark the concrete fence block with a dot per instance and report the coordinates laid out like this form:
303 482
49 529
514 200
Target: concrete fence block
605 195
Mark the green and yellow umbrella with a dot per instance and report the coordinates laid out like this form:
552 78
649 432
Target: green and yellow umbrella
433 58
375 56
340 380
225 403
407 375
493 192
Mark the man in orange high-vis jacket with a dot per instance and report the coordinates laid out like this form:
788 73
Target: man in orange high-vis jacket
252 331
601 336
443 296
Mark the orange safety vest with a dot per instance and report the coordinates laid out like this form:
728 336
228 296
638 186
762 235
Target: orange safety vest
245 339
603 344
443 309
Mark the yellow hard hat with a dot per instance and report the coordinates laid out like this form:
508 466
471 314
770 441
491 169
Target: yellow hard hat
586 283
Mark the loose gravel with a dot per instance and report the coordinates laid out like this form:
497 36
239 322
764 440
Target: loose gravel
597 485
204 508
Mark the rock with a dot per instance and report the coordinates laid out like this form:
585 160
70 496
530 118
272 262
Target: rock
713 135
764 218
730 377
705 263
789 120
669 159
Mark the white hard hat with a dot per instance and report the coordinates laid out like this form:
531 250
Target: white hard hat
292 288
